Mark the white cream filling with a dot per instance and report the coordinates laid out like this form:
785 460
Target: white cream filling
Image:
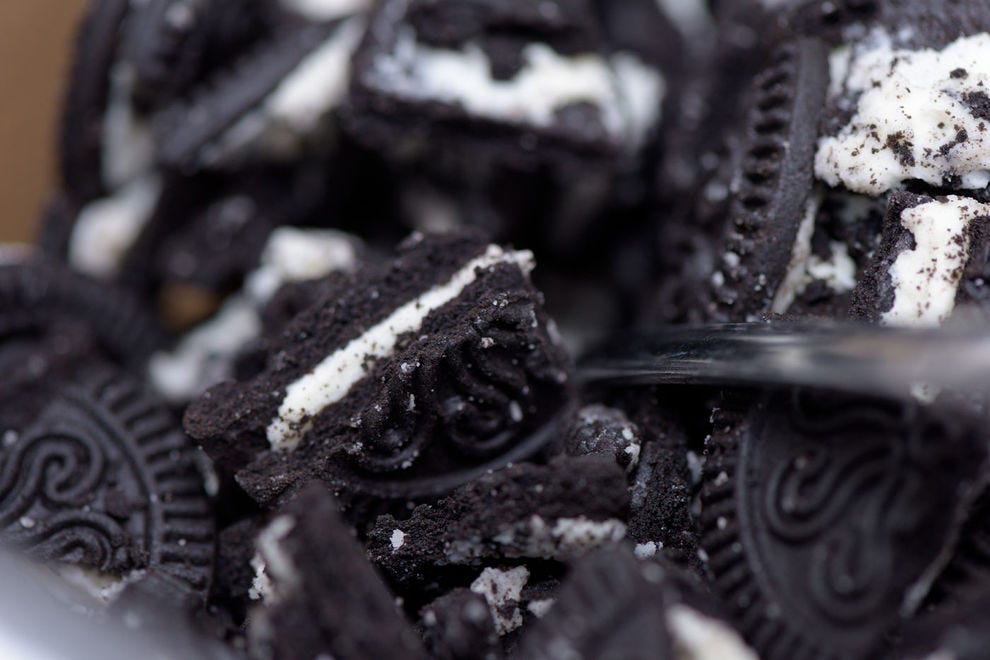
295 255
325 10
800 252
699 637
626 92
925 279
643 90
107 228
547 82
647 550
330 380
318 84
691 17
103 587
275 573
575 534
297 106
567 537
911 97
539 608
397 539
500 590
838 271
128 147
203 357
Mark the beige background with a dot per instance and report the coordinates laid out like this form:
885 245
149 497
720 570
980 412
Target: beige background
35 41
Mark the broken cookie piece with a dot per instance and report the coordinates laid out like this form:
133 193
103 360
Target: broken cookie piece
404 374
318 593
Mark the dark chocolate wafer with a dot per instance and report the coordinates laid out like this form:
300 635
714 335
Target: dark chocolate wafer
104 480
773 191
826 518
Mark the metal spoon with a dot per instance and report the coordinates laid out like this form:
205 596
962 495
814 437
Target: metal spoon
853 358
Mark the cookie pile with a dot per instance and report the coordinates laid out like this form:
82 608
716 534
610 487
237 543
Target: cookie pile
284 371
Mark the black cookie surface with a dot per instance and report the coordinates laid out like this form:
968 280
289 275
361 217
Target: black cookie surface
105 480
557 510
324 595
459 626
612 605
773 184
184 143
956 632
824 518
36 292
606 608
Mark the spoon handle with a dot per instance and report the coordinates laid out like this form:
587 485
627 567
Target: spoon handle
854 358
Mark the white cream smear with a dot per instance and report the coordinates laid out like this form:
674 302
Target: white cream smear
909 117
627 93
698 637
106 229
325 10
838 271
271 561
570 536
926 278
330 380
691 17
203 357
103 587
128 147
502 589
295 108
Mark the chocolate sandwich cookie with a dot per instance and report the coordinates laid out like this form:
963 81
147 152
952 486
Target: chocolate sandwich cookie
530 124
272 99
233 580
865 141
106 484
826 518
193 128
317 592
703 143
772 184
614 606
933 256
552 511
419 372
170 45
486 75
